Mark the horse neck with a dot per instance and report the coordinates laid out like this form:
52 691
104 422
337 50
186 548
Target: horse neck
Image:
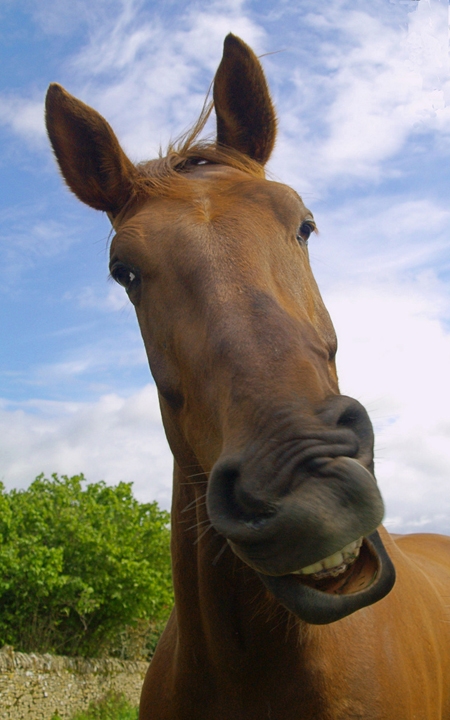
222 608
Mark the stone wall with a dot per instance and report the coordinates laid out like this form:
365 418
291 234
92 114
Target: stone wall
34 687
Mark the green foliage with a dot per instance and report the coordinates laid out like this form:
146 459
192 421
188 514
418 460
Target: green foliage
112 707
79 565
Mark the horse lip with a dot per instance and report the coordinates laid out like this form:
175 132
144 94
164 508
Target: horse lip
266 552
318 607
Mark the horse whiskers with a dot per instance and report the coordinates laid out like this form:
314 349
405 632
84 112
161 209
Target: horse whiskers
189 506
189 519
198 524
203 534
195 482
220 553
194 502
263 606
284 616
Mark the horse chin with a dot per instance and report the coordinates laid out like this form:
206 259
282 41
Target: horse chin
321 600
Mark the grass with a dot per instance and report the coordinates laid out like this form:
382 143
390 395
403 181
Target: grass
114 706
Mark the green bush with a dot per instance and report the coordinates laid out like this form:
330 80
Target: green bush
111 707
81 566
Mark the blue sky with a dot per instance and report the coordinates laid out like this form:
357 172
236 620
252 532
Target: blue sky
363 97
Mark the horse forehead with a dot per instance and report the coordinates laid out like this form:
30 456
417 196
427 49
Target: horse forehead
209 193
229 191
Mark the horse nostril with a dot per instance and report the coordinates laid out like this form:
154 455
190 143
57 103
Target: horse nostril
351 417
355 418
345 412
253 509
230 503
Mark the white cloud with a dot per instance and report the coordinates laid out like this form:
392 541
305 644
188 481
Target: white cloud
394 356
115 298
114 439
150 81
427 43
377 261
90 360
63 17
381 236
25 117
372 83
373 86
146 72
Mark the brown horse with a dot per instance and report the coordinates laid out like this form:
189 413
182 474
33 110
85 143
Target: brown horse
282 581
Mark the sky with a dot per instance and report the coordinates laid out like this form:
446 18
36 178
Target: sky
362 93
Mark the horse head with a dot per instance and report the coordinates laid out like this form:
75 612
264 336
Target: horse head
214 257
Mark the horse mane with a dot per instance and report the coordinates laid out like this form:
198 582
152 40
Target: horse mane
185 152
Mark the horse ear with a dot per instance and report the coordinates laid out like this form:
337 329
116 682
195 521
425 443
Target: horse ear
246 118
92 162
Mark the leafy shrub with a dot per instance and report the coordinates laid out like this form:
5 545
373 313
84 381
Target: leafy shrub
137 641
80 565
112 707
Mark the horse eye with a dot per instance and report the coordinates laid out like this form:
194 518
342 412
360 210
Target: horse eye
305 230
124 275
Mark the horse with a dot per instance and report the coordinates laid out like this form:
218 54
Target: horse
291 600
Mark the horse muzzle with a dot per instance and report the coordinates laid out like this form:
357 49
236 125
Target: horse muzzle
315 547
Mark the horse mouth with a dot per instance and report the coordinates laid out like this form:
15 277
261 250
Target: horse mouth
352 569
333 587
333 565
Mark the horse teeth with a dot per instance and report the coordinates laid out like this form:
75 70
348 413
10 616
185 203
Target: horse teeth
338 561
